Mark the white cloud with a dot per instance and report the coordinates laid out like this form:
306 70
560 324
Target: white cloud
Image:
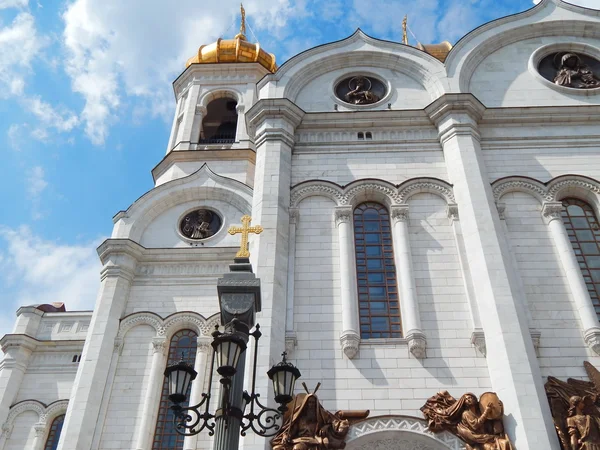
136 48
19 45
36 184
34 270
5 4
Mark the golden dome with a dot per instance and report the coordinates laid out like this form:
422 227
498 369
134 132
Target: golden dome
439 51
236 50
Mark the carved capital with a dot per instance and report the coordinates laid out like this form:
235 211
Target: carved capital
294 216
200 110
40 430
350 342
118 348
342 214
417 344
592 339
159 344
6 430
240 108
501 207
552 211
536 338
452 212
478 340
399 213
204 345
290 343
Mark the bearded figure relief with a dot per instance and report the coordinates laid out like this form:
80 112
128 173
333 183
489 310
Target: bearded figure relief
477 423
200 224
309 426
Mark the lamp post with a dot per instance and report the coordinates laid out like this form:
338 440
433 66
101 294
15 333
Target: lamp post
239 300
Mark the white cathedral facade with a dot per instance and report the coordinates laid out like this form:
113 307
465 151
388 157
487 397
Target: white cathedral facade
430 223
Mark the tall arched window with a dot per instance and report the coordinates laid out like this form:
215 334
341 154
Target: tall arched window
220 123
54 435
183 344
376 273
584 232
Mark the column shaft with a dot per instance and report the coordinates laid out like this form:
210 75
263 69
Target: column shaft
409 305
581 296
201 366
350 336
290 335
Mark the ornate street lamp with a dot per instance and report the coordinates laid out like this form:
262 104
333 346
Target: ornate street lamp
228 348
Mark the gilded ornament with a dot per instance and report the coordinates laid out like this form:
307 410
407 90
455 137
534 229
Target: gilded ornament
245 230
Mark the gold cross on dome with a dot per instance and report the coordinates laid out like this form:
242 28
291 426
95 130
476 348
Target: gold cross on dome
244 230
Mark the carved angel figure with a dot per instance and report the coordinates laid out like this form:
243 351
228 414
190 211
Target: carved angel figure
480 430
576 410
311 427
573 73
584 429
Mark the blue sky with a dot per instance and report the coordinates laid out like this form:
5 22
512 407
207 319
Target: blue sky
86 106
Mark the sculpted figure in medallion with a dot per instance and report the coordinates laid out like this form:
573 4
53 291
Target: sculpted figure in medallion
309 426
196 225
477 423
360 92
575 407
573 73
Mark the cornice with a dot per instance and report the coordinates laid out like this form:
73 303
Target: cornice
525 116
277 108
175 156
447 104
369 119
126 247
31 344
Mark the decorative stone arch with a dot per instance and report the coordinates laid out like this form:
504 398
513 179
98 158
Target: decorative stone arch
361 191
399 433
426 185
221 92
19 408
203 184
53 410
141 318
573 186
371 189
528 185
190 320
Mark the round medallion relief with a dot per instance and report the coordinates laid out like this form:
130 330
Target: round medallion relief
570 69
200 224
360 90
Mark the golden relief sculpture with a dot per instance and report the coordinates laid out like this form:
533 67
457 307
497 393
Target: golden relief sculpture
309 426
477 423
575 409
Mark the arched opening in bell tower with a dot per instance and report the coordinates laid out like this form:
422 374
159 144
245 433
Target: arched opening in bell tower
220 124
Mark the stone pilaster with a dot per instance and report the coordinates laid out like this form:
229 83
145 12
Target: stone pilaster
17 349
119 258
511 359
552 215
189 123
271 125
409 304
290 334
145 431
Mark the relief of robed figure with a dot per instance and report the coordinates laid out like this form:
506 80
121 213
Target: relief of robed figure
478 424
309 426
572 72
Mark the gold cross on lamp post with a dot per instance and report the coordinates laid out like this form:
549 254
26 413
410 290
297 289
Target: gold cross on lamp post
245 230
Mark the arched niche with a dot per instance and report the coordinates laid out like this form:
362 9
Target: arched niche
399 433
